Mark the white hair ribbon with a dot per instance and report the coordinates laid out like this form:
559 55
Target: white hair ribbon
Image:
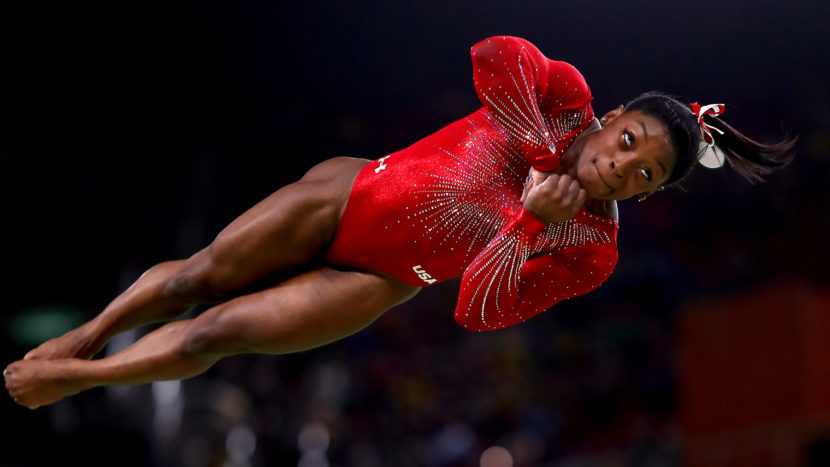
709 156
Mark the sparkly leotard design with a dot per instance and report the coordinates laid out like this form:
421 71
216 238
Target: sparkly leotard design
448 205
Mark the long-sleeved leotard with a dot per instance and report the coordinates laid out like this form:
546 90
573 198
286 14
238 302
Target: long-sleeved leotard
448 205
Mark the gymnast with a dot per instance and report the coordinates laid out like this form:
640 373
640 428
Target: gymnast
518 199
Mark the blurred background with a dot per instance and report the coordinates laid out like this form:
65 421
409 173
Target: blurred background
132 132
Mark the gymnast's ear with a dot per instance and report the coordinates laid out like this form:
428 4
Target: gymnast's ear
611 115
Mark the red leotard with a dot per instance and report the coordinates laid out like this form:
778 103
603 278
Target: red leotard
448 205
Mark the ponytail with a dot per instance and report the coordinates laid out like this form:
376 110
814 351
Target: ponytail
751 159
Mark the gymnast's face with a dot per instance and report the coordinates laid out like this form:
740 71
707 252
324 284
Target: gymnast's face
631 155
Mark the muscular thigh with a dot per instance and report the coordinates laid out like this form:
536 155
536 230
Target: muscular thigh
290 228
306 311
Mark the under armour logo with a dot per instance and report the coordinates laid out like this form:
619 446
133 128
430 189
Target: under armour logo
382 165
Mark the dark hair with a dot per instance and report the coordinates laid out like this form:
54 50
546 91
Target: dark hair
748 157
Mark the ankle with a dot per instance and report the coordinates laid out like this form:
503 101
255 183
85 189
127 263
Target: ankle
96 332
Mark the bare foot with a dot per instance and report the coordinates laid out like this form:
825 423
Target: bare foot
77 343
33 383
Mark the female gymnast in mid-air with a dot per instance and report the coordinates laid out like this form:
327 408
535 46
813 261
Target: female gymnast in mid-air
517 198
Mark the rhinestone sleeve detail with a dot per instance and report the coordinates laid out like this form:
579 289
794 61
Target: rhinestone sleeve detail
517 84
521 272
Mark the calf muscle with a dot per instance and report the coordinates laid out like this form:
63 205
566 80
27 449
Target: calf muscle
306 311
303 312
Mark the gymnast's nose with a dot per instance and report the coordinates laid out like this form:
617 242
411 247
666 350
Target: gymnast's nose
619 164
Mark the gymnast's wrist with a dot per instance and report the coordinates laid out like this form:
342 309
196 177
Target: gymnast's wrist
529 221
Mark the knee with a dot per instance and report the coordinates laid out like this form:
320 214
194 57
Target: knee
220 268
208 335
191 283
199 339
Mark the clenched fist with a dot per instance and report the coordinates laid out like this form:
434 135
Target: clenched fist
552 197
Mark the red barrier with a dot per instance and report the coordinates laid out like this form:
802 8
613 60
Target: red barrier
754 376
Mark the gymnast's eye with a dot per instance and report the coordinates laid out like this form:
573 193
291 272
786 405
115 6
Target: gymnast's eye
628 138
646 173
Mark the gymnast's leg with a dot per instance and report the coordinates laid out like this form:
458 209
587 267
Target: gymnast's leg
303 312
292 227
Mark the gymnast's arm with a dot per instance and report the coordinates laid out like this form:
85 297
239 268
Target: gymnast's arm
519 274
504 286
517 84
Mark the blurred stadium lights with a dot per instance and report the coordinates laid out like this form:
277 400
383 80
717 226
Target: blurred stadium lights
240 445
496 456
32 326
313 442
169 405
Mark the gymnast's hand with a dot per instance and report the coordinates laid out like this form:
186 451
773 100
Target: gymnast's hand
553 197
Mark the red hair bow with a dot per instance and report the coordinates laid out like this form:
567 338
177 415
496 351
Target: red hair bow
709 157
710 109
